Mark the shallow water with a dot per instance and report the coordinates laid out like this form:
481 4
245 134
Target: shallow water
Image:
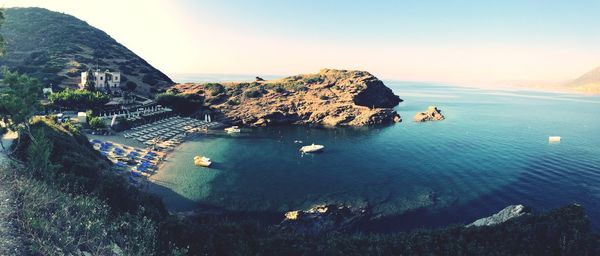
491 151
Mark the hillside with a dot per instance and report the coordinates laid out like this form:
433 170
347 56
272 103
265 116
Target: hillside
330 98
588 82
56 48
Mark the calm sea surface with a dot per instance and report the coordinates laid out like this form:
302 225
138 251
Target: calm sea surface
491 151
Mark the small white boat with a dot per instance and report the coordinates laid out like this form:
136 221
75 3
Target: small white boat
311 148
554 139
233 129
202 161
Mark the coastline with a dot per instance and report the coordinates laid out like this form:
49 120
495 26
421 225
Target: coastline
119 140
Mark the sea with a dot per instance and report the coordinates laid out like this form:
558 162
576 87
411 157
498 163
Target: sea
491 151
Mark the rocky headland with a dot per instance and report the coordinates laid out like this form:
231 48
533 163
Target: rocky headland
329 98
432 114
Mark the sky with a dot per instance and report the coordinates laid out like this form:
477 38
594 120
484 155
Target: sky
460 41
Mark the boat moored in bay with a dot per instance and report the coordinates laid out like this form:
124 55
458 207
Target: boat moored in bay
312 148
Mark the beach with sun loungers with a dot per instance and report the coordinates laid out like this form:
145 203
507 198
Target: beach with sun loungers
139 152
136 163
166 134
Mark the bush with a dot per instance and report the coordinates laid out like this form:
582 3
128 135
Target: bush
215 88
233 102
130 86
252 94
96 123
279 89
181 103
57 223
78 99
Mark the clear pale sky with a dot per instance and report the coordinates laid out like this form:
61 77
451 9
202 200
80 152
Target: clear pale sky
421 40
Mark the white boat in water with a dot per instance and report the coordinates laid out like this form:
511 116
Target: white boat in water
554 139
202 161
311 148
233 129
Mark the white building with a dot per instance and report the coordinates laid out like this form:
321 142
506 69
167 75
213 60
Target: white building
103 80
82 117
47 91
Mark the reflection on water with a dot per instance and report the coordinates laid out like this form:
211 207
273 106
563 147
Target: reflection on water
492 150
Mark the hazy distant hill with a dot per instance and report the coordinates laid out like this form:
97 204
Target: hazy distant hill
588 82
56 47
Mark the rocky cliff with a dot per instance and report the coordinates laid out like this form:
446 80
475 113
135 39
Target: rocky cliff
329 98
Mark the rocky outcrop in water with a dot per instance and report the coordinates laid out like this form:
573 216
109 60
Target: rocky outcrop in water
329 98
510 212
323 218
432 114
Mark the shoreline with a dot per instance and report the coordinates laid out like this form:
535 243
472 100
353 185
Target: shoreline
133 157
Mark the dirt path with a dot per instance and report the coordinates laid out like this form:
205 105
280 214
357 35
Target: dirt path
10 243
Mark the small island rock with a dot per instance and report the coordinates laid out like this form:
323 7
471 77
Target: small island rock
432 114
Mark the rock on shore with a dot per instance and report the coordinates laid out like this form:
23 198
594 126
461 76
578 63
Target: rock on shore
510 212
323 218
432 114
329 98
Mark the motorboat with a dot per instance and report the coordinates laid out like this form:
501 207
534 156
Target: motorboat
202 161
312 148
233 129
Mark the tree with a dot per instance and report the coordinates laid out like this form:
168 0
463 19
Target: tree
130 86
90 81
1 38
97 123
38 152
181 103
78 99
19 101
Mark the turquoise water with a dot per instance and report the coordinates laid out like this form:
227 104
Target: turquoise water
491 151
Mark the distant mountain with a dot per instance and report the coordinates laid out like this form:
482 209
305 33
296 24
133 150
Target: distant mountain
588 82
57 47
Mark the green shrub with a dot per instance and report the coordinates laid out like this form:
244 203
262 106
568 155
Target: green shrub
252 93
96 123
181 103
233 102
57 223
279 89
215 88
312 79
78 99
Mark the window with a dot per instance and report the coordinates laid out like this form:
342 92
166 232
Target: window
116 78
101 78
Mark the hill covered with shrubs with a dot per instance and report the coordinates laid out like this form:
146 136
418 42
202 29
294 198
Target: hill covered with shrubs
56 47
